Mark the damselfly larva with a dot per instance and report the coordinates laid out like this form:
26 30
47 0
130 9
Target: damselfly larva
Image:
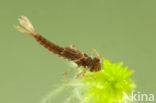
70 53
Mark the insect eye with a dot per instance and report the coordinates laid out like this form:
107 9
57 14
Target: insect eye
91 69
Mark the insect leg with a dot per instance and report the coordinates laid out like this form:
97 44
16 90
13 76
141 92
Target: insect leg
100 57
95 51
82 73
65 73
73 46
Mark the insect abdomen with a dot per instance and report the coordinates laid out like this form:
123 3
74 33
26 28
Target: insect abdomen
49 45
67 53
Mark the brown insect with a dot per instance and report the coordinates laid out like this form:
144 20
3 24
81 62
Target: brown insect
72 54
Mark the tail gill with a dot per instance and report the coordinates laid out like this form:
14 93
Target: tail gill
29 29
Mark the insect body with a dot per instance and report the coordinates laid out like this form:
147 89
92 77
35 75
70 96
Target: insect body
81 59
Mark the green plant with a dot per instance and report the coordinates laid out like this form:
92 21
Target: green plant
109 85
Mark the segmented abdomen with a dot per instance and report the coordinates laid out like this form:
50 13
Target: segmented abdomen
49 45
67 53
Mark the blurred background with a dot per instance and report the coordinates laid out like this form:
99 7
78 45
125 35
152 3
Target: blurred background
120 30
